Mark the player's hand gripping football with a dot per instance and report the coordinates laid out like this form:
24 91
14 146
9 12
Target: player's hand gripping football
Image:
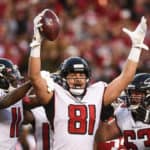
137 36
37 37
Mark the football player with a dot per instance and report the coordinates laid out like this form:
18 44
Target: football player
41 127
132 118
74 108
34 114
11 110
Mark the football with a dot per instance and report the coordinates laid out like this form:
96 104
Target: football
50 25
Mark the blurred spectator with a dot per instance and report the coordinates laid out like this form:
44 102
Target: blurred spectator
89 29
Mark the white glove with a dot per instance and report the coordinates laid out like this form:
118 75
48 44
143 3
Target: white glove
138 35
37 38
50 83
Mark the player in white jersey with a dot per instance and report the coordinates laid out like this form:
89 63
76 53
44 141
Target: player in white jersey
74 107
42 128
34 114
35 123
37 117
11 113
132 118
10 119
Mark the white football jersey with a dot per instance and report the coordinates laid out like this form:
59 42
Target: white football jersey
75 121
116 144
136 134
42 129
10 120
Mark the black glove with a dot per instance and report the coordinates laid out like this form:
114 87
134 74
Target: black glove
141 114
107 112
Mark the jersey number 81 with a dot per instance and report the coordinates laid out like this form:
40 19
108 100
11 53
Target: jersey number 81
81 119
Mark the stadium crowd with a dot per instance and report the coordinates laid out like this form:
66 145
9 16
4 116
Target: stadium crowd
90 29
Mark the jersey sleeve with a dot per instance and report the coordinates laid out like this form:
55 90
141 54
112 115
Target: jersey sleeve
121 113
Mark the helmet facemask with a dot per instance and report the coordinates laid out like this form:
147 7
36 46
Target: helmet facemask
146 102
138 97
10 72
12 75
135 98
138 92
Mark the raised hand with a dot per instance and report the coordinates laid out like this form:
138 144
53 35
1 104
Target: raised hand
37 37
137 36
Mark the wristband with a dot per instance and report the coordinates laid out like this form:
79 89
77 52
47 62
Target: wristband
134 54
35 51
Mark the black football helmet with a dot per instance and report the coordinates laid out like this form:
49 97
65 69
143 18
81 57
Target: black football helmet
138 97
9 74
75 65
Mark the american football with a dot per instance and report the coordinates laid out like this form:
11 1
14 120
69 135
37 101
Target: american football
50 25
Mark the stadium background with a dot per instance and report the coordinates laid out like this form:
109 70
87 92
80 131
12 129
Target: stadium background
90 28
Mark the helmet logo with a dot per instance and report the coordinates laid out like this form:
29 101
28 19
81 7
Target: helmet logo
147 81
78 67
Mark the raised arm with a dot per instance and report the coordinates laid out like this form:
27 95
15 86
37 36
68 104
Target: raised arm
114 89
40 85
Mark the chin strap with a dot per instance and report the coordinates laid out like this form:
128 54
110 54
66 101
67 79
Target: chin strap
76 92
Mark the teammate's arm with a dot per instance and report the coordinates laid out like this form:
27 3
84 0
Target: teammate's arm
15 95
107 131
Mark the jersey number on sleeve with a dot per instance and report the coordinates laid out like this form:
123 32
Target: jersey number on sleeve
16 118
81 119
141 134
